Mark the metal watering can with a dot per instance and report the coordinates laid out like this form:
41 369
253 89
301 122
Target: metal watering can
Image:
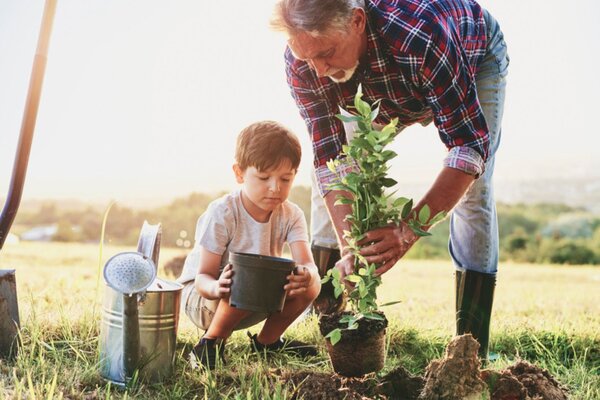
140 314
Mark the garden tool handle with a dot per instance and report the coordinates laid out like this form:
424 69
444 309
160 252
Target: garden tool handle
28 123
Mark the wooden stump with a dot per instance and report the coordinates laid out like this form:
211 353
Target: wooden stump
9 314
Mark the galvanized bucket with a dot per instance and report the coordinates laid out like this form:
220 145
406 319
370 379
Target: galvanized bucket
158 317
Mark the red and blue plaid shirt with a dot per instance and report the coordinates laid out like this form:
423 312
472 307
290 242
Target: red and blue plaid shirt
422 57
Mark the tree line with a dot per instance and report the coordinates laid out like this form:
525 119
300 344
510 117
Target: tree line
535 233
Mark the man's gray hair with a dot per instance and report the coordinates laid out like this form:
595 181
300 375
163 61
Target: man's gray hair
313 16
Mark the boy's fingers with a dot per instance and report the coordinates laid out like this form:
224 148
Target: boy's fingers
225 282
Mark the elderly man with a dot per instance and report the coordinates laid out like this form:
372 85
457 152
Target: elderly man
426 60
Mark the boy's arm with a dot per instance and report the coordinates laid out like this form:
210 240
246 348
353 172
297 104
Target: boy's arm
208 282
307 275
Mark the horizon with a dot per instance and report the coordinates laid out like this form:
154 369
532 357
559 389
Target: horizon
140 105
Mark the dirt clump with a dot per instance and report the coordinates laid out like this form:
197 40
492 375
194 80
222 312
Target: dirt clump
504 386
400 384
457 375
538 382
523 381
319 385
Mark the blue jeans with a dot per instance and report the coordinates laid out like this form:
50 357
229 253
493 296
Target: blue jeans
473 243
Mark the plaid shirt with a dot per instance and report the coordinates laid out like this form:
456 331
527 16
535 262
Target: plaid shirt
422 57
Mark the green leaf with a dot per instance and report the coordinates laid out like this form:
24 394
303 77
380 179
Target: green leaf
362 272
345 118
331 165
354 278
337 291
342 200
352 327
374 316
424 214
334 336
325 279
388 155
337 275
374 114
388 182
400 202
406 209
437 218
390 303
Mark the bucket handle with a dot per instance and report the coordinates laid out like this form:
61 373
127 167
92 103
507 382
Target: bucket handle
149 241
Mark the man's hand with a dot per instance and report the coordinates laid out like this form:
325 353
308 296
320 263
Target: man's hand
346 267
385 246
221 286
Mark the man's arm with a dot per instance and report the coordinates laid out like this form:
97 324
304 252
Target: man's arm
389 244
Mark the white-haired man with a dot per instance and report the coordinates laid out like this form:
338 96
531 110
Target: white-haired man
426 60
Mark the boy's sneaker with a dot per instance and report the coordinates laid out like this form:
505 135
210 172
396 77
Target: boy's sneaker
294 347
208 353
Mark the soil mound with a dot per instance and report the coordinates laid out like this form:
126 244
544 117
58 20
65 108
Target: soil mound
457 375
524 381
319 386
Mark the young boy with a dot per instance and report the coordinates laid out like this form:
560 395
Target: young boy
257 219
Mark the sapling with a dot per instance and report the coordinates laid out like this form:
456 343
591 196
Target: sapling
371 208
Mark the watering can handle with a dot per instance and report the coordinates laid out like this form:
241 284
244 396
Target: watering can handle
149 241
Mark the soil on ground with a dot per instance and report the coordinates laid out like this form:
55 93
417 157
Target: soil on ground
455 376
524 381
319 386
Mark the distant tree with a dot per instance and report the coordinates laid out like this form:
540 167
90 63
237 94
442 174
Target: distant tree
571 252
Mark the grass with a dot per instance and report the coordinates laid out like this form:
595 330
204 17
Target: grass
548 315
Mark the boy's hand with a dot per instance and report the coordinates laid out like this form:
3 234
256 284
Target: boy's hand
221 287
298 281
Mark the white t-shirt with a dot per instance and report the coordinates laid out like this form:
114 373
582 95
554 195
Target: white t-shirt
227 227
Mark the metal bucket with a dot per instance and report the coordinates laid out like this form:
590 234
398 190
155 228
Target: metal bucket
158 319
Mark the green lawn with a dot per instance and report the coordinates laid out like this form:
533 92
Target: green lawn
549 315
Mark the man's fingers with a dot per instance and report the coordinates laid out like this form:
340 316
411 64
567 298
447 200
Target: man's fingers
373 236
380 258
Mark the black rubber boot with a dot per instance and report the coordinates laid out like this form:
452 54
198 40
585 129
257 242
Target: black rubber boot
325 259
474 298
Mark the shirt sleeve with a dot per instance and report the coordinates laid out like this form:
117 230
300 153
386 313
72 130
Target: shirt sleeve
451 93
214 228
319 114
297 231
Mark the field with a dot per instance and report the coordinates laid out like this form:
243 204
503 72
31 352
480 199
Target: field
546 314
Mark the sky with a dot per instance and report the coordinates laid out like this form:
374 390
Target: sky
143 99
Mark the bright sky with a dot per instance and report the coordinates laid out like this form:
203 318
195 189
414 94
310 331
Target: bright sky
143 99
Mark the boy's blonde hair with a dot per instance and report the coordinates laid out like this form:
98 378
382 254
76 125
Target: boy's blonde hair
265 145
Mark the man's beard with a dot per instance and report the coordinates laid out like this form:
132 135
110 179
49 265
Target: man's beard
348 73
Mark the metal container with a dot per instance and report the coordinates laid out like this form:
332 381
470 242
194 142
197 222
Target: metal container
157 321
158 315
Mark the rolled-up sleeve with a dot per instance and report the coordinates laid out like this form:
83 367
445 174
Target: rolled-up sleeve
450 90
